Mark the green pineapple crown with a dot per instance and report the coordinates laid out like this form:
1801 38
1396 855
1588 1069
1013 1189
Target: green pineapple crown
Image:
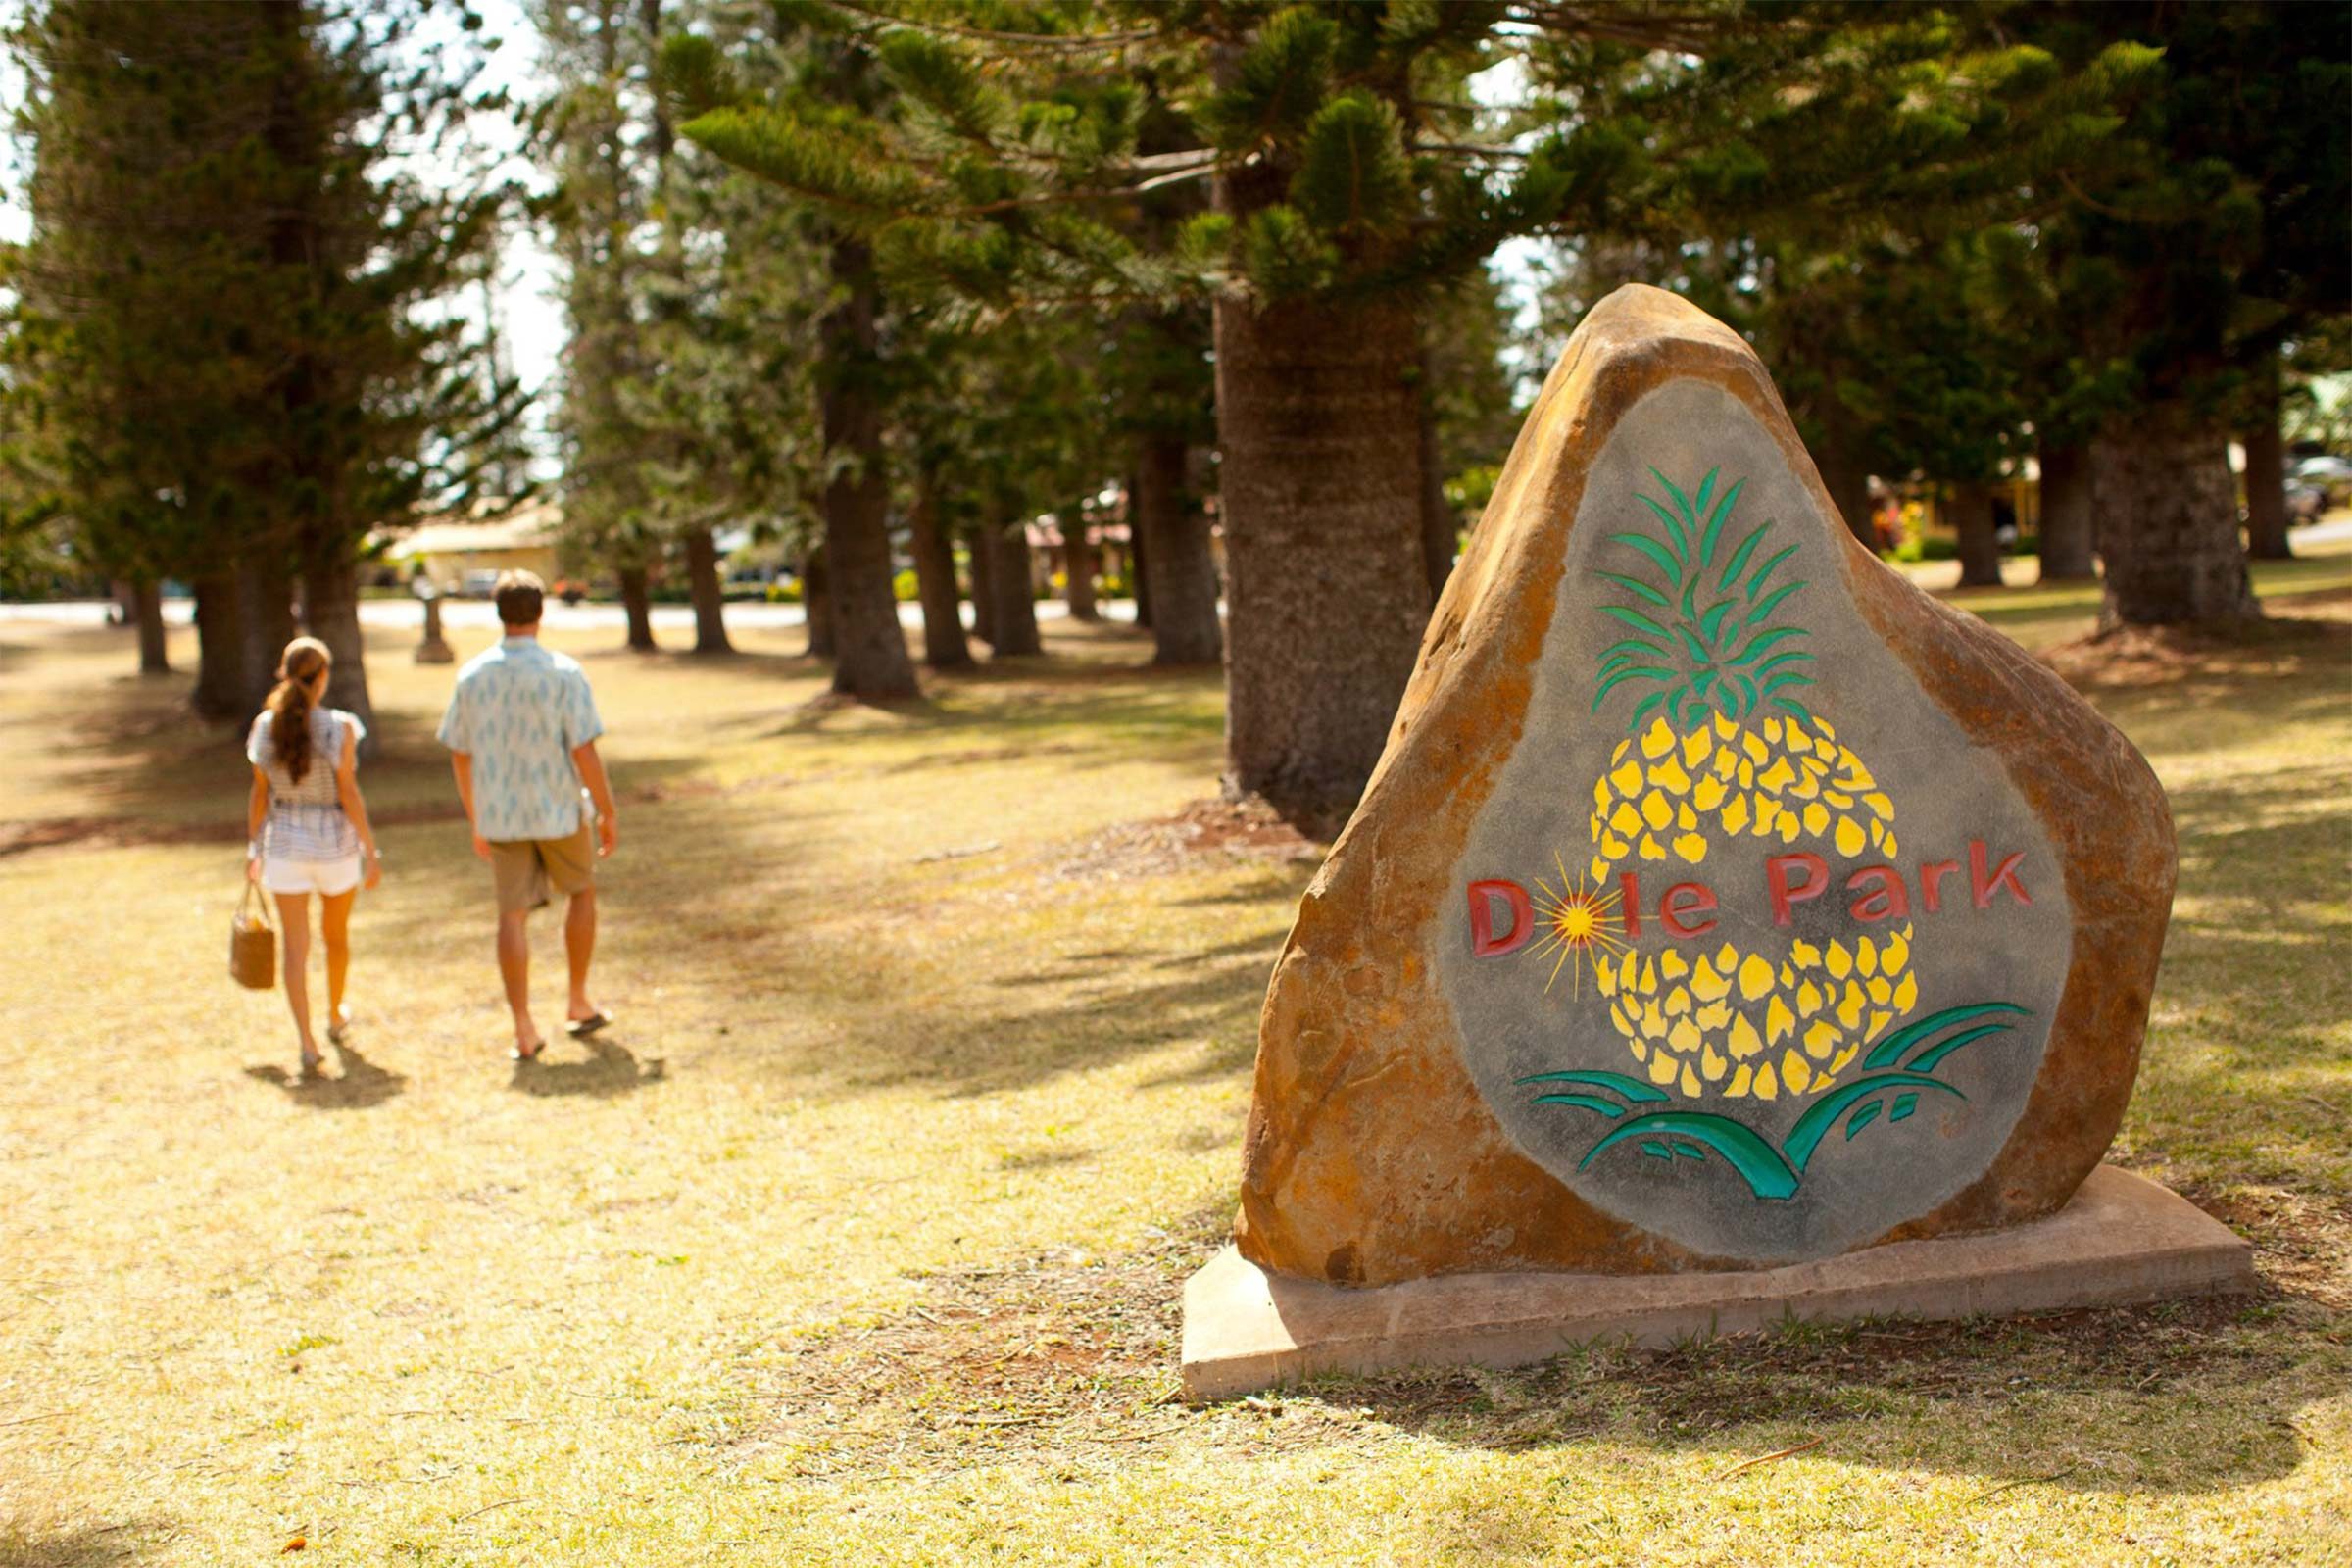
1704 636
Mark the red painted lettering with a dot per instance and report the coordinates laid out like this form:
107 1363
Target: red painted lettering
1483 943
1630 906
1887 899
1681 901
1785 895
1981 887
1931 877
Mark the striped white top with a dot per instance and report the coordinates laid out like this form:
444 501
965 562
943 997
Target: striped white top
306 820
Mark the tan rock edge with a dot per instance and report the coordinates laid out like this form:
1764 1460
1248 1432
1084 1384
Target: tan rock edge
2122 1239
1390 1139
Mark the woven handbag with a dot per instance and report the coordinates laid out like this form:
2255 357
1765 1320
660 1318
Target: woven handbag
251 942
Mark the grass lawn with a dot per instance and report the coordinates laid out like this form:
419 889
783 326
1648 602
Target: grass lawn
859 1238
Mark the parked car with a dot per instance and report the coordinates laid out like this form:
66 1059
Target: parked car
478 585
2305 502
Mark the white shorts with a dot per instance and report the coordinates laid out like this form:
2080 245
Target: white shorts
282 874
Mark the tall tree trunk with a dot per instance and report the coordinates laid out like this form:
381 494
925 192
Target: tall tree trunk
1327 588
1013 587
983 555
2167 510
870 661
1139 564
219 647
709 594
1172 534
2066 518
637 602
330 613
2266 470
1078 569
1980 545
816 604
266 619
143 607
1847 477
1440 529
943 645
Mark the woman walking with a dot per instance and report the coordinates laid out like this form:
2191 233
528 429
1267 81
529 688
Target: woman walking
308 827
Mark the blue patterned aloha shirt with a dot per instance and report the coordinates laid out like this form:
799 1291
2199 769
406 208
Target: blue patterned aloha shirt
519 712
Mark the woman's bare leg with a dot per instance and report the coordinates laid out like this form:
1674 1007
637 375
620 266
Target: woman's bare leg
294 925
334 924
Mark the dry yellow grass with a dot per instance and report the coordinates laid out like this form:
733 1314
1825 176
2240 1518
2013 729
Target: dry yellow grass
857 1242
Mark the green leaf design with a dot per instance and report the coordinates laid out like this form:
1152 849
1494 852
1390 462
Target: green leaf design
1757 646
1747 546
1791 656
1581 1102
1905 1105
1631 1088
1767 1174
1706 488
1637 587
1674 528
1710 625
1887 1050
1865 1116
1811 1127
1764 608
1715 523
1654 551
1648 672
1634 619
1756 582
1927 1061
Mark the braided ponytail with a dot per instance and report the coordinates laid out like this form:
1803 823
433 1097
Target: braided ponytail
302 663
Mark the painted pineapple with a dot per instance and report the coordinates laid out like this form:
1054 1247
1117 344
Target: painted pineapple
1719 749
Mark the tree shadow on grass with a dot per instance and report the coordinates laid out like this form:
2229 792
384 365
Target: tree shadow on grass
2181 1397
84 1547
356 1084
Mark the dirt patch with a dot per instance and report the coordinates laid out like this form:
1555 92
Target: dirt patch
1205 829
2149 656
1057 1348
2302 1241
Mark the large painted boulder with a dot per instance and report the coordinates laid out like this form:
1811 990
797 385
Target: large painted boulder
1722 900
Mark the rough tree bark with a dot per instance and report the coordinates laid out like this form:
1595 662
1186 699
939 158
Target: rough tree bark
1013 589
636 602
984 584
265 594
2266 470
816 604
219 647
943 645
1078 569
1326 590
1139 563
2067 533
1440 529
2166 506
330 613
870 647
709 593
143 608
1172 534
1980 546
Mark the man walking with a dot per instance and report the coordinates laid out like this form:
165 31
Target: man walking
522 731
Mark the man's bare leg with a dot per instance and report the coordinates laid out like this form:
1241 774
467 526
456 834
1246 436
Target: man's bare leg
514 968
579 946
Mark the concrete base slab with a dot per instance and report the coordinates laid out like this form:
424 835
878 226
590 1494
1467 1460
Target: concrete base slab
2122 1238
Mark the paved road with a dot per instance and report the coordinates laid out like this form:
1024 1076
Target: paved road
394 614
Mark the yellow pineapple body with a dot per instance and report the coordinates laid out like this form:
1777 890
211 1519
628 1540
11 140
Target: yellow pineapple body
1722 1021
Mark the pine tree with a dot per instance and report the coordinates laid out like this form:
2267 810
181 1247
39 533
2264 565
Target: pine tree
232 375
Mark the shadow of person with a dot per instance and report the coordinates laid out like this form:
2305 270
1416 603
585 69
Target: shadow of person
355 1084
611 1069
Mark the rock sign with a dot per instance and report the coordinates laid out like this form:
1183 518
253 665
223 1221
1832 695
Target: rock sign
1721 900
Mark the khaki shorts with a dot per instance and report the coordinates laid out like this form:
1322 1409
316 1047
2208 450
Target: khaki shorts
527 869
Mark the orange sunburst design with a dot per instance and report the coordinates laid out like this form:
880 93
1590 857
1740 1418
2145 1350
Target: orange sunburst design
1580 922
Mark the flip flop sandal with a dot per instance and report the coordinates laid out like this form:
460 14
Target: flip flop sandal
518 1054
582 1028
313 1068
336 1032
